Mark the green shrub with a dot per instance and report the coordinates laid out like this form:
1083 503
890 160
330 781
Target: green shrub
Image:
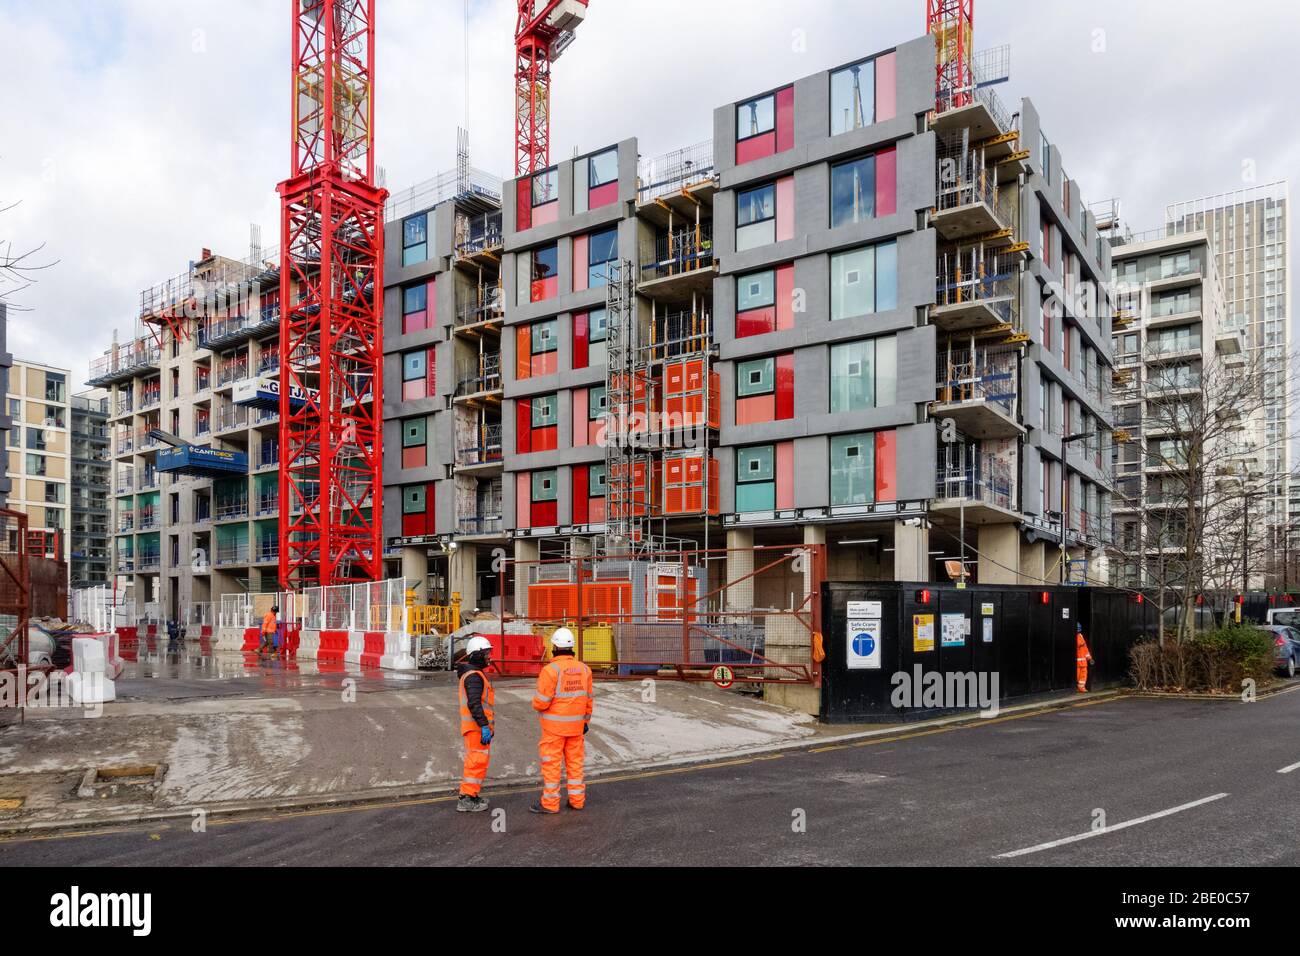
1214 661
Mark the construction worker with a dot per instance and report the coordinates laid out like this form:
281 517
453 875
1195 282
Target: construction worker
563 701
477 722
269 625
1082 658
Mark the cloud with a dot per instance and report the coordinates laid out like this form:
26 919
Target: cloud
144 130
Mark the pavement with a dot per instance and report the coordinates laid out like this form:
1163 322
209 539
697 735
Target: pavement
1101 781
225 732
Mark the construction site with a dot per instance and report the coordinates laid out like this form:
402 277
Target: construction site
757 428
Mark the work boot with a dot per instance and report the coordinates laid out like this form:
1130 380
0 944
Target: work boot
572 807
538 808
468 804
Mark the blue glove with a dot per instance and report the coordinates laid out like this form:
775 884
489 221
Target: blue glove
485 735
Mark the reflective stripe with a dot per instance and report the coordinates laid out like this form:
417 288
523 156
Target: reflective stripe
569 720
544 700
577 789
573 693
471 779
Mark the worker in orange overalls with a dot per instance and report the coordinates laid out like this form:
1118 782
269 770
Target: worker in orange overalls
1082 658
477 723
269 625
563 701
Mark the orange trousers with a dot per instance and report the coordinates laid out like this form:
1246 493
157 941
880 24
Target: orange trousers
570 751
1081 674
477 757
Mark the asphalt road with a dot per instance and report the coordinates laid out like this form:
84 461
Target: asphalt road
938 796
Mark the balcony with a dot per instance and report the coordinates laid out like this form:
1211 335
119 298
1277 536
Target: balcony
486 307
125 521
231 510
202 379
232 417
148 480
265 416
222 333
203 426
268 362
486 451
679 263
125 362
981 488
268 503
149 519
976 291
479 237
479 524
978 391
966 198
150 561
268 456
268 551
124 406
228 374
234 553
150 398
980 110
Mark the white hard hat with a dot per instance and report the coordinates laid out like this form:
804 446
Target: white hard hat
477 643
563 638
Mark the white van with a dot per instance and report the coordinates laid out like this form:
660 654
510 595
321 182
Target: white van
1290 616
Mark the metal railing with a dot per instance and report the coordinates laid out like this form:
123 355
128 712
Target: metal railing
141 353
232 416
988 375
972 276
487 304
268 503
479 375
984 479
674 171
475 234
962 179
231 508
369 606
232 553
232 372
487 449
479 524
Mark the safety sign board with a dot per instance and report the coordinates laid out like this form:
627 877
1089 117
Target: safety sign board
954 630
864 642
922 633
986 609
988 630
723 676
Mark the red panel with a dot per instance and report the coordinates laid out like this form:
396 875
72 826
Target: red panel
886 87
886 456
523 499
756 147
785 386
785 208
545 439
785 474
546 213
524 203
414 322
602 195
543 289
580 498
416 457
524 426
887 182
580 252
580 339
413 525
755 322
545 513
755 409
785 296
430 507
580 430
784 119
596 509
523 352
594 436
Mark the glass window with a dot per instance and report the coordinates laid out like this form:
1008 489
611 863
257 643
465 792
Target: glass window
415 239
415 298
853 191
602 168
597 322
545 486
864 280
597 402
546 187
602 249
596 481
756 290
863 374
756 377
755 217
545 411
545 336
756 116
545 262
853 480
853 97
413 365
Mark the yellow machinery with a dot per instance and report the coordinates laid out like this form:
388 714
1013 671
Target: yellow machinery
429 619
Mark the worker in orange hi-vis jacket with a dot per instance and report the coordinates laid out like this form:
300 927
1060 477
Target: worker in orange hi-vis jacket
477 722
563 701
1082 658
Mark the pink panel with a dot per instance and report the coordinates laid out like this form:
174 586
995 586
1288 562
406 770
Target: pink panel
523 499
544 289
596 510
785 297
785 208
414 322
579 263
580 417
756 408
544 363
756 147
602 195
413 389
886 87
886 466
886 182
542 215
415 457
785 474
593 431
784 119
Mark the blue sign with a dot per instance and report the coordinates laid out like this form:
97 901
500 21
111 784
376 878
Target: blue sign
202 461
864 644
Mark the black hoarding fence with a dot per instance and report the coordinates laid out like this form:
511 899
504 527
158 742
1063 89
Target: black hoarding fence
881 637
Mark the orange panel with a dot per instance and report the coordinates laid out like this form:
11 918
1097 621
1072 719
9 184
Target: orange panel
523 352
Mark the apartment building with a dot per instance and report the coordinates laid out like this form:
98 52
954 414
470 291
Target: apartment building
1250 230
194 436
883 327
90 495
39 454
1174 336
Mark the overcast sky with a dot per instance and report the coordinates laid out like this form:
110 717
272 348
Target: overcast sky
139 131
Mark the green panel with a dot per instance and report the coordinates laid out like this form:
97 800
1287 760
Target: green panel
596 481
545 336
853 283
414 432
413 498
545 485
755 464
595 402
756 377
545 411
758 496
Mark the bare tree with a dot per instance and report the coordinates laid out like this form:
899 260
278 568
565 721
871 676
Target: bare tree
18 266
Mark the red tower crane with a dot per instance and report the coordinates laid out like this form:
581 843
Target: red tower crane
331 295
545 28
952 23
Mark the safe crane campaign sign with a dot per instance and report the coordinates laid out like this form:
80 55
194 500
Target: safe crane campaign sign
864 635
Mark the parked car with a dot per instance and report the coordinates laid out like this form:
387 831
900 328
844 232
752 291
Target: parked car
1286 647
1290 616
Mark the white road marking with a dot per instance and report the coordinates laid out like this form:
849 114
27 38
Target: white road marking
1111 829
1294 766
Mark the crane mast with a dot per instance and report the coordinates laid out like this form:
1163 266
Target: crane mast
544 30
